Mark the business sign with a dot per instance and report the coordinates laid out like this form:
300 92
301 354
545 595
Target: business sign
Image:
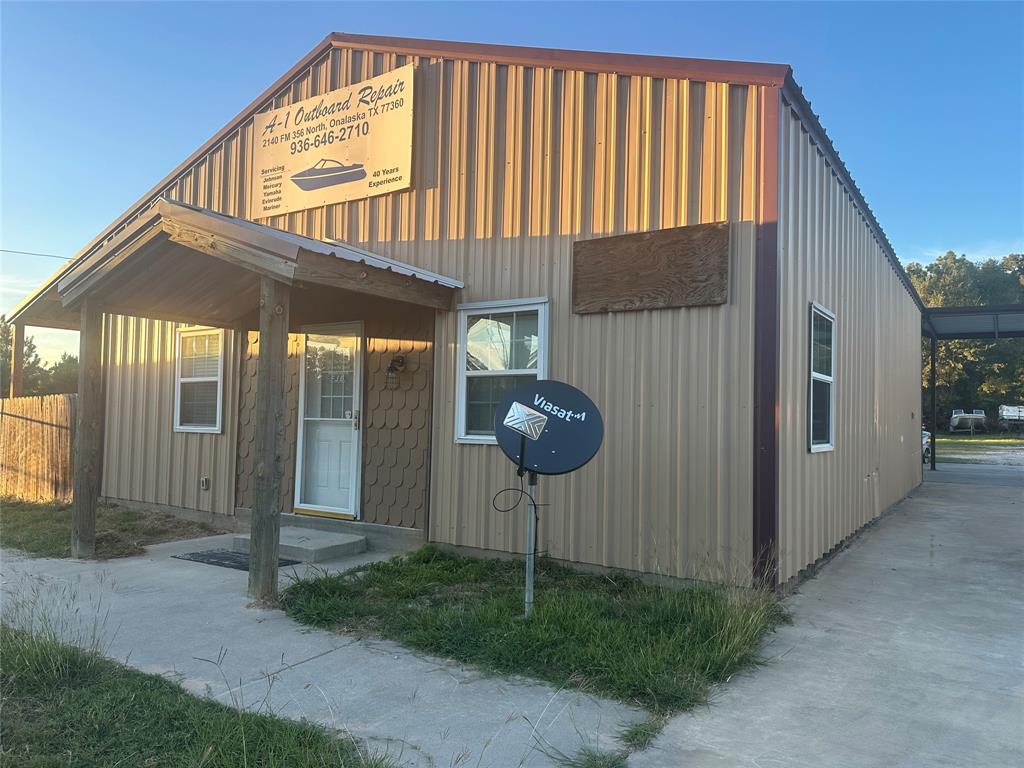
348 144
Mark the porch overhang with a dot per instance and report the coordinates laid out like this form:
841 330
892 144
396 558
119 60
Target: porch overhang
1001 321
182 263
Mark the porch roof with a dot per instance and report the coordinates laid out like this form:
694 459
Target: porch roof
179 262
1003 321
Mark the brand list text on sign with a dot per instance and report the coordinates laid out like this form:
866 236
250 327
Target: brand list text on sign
348 144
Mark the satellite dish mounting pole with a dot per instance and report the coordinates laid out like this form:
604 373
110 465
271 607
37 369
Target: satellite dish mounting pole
564 434
531 540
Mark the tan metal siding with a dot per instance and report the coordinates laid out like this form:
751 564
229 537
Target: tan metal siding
829 255
671 488
511 165
144 458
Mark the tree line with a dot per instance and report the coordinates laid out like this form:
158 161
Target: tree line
973 374
37 379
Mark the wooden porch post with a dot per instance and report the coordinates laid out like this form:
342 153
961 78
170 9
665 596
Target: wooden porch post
88 457
18 361
270 437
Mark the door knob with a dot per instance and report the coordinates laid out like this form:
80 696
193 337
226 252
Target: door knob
355 420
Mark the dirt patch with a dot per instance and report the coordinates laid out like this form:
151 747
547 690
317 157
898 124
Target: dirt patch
1003 457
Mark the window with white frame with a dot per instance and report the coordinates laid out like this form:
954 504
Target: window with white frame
502 344
198 381
821 388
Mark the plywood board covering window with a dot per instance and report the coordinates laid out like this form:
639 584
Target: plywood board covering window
502 345
198 380
821 391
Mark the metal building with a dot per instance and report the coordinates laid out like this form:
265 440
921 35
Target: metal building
676 237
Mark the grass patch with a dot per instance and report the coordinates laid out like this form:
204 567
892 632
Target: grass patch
967 444
45 529
613 635
639 736
589 757
65 706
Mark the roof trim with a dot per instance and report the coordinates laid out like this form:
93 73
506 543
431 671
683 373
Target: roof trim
337 248
795 100
717 70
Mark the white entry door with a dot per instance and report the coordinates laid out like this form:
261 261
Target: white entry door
327 475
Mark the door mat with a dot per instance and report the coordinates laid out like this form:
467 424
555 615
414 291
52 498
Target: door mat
225 558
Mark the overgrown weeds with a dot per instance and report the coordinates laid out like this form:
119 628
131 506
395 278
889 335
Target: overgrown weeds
614 635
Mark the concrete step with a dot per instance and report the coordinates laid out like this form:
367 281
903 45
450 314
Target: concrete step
310 545
386 538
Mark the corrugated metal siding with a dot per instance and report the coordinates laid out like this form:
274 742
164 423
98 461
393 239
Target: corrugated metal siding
828 255
511 165
670 489
144 458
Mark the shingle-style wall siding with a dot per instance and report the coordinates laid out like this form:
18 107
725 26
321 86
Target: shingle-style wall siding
395 419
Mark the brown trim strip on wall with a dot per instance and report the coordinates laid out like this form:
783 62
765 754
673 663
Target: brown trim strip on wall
766 350
743 72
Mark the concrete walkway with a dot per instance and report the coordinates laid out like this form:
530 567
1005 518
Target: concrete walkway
189 621
906 650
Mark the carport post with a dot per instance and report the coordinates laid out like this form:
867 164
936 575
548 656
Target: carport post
265 533
89 423
931 386
18 361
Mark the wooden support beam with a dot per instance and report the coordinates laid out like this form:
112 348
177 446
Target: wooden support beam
270 439
18 361
321 269
88 459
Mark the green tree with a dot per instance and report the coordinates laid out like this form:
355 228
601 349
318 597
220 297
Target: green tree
37 379
62 376
973 374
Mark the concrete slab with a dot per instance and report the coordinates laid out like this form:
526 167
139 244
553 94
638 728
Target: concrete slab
906 650
191 622
309 545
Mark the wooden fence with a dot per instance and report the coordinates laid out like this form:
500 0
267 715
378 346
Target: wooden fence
36 442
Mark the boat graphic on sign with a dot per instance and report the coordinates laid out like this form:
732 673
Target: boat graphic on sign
328 173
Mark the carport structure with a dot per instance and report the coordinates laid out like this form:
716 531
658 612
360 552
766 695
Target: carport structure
999 321
186 264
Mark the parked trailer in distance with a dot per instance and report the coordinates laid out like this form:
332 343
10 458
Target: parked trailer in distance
961 421
1011 418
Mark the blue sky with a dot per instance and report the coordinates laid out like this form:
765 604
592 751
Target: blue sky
924 101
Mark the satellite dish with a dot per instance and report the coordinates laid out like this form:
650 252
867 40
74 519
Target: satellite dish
548 427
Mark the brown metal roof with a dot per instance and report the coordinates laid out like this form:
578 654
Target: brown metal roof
161 267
